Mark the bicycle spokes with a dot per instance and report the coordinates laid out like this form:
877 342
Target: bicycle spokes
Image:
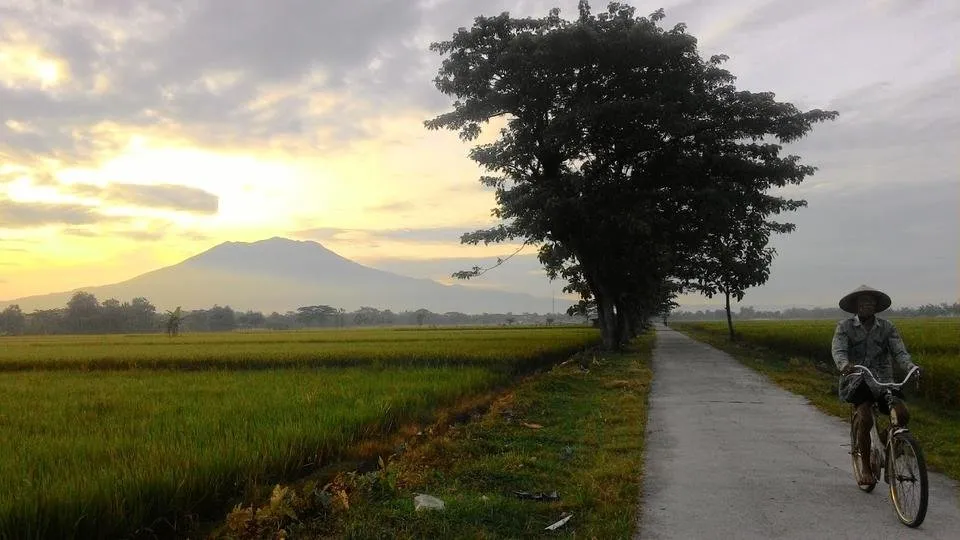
908 481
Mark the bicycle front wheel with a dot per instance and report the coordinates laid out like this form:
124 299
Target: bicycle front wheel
855 458
907 471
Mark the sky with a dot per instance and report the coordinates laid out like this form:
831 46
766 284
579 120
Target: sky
137 133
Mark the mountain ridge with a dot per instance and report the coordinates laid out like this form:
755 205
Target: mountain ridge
281 274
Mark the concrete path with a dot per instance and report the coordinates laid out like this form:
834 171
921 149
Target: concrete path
732 456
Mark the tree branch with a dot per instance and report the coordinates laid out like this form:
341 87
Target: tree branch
476 271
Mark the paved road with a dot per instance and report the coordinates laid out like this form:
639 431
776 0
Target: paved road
732 456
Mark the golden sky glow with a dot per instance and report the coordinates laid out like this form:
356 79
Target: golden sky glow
405 178
27 65
261 194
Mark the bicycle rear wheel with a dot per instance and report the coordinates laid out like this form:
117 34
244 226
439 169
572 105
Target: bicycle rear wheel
907 470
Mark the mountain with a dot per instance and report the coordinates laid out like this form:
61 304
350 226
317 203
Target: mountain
281 274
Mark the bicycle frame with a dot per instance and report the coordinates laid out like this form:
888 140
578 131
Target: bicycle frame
878 449
888 387
882 456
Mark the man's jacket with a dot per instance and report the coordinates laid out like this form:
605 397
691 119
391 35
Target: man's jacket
853 344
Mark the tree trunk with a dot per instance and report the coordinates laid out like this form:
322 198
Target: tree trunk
604 300
639 320
729 319
623 325
608 321
634 320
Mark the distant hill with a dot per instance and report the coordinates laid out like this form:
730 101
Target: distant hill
281 274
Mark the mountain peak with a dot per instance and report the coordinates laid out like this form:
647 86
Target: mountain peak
281 240
272 241
269 255
281 274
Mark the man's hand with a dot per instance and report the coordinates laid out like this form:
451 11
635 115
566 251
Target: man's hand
848 369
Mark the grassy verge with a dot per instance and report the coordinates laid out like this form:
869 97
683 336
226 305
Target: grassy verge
936 427
933 343
579 433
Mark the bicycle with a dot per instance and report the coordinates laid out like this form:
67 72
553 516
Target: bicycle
899 456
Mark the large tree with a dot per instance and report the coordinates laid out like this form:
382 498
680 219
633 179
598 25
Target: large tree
83 313
221 319
174 322
141 315
616 134
112 319
12 321
316 315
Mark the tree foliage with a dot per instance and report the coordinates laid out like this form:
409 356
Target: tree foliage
12 321
622 149
174 321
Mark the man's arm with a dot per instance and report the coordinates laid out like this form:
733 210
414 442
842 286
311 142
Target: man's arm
839 347
898 350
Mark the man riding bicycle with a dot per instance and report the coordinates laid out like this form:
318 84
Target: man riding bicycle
869 341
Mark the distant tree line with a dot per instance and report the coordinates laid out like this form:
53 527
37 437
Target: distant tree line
84 314
928 310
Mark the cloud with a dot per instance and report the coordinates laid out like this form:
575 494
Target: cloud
155 231
903 240
238 72
892 137
222 71
322 234
226 72
142 235
444 235
8 176
522 273
281 40
436 244
194 237
433 234
169 196
17 215
77 231
399 206
30 141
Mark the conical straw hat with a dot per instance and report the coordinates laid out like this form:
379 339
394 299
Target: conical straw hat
849 302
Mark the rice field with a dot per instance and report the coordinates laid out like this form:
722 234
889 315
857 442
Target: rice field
107 435
493 348
934 345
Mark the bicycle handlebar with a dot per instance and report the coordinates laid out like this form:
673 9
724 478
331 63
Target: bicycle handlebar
864 369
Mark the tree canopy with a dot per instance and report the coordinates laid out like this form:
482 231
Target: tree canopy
623 155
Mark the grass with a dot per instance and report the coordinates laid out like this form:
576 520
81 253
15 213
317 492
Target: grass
579 433
934 344
108 450
509 349
106 453
927 336
936 427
